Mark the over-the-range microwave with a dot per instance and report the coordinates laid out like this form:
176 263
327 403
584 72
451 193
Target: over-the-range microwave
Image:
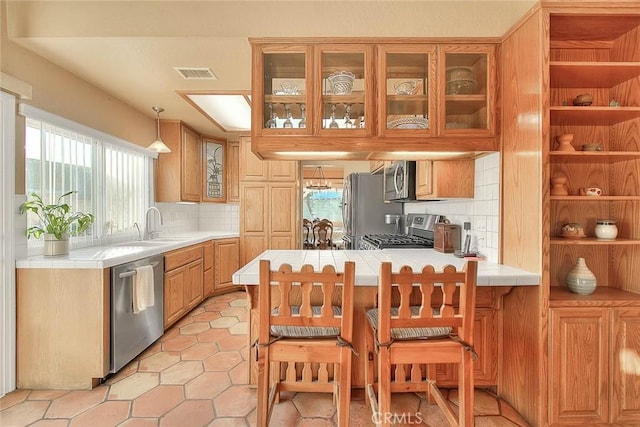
400 181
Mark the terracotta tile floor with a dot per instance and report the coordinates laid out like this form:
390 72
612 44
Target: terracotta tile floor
196 375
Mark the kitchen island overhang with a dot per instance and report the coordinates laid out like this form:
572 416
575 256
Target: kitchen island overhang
494 282
368 265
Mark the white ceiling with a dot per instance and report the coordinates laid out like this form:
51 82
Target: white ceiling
130 48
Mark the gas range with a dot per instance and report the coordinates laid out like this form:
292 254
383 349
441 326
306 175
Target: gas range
420 235
386 241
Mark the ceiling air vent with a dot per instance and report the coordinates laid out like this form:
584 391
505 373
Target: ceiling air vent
196 73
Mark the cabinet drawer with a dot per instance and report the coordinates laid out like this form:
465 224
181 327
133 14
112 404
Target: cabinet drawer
179 257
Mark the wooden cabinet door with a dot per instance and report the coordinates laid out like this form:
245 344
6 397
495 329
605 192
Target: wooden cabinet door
445 179
233 172
252 168
227 262
255 214
579 366
193 289
485 343
208 285
282 170
625 387
283 207
174 295
190 187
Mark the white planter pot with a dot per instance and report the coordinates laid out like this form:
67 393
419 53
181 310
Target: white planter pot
54 246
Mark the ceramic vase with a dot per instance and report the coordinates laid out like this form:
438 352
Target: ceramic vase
580 279
557 186
564 142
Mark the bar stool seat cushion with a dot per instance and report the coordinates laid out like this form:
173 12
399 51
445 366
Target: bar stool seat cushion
286 331
410 333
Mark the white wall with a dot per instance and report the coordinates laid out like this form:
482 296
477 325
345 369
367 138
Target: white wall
482 211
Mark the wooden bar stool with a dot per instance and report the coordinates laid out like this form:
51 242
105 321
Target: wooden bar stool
306 317
410 338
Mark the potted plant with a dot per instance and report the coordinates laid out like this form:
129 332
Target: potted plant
57 223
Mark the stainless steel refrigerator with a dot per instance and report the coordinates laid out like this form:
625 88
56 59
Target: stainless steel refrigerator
364 209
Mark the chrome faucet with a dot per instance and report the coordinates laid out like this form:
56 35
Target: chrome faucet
148 232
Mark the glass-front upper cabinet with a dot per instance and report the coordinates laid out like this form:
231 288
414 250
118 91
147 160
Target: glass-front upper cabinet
346 88
406 89
468 84
213 170
284 81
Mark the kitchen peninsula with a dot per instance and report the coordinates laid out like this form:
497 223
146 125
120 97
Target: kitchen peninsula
494 281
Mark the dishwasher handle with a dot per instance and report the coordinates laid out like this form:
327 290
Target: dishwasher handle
131 273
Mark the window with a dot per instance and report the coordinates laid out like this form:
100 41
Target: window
112 177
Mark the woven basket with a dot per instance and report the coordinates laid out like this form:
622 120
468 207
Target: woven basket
341 82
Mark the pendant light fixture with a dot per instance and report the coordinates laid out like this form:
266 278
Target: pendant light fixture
318 181
158 145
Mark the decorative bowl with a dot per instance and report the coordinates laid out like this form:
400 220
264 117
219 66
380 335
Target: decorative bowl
409 123
288 88
341 82
461 87
572 231
405 88
460 73
583 100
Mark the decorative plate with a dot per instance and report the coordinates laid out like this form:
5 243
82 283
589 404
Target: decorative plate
409 123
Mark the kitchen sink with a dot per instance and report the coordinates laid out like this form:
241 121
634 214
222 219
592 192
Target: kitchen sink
152 242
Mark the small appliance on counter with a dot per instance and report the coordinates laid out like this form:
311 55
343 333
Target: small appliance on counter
446 237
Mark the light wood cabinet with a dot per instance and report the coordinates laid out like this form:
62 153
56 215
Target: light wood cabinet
445 179
609 74
183 282
366 96
227 256
485 342
593 353
233 172
208 285
63 328
178 176
269 194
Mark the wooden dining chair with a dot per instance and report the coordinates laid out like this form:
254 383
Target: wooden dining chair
323 234
307 227
422 327
305 333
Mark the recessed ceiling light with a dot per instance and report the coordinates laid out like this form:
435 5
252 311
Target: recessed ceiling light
196 73
231 112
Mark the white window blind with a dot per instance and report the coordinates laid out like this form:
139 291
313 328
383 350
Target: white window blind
112 177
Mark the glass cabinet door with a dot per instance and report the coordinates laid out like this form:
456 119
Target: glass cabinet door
467 76
346 87
406 89
285 85
214 170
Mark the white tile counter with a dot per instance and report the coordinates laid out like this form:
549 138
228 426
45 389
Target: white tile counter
368 265
109 255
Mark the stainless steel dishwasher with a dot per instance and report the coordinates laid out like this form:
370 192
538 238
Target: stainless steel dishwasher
132 333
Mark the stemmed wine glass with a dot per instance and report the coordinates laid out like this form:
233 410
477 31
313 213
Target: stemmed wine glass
347 118
271 123
333 124
303 117
287 123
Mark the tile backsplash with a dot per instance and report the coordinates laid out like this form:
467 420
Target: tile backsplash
483 211
181 217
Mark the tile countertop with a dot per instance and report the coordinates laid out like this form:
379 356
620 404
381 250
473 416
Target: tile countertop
106 256
368 265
